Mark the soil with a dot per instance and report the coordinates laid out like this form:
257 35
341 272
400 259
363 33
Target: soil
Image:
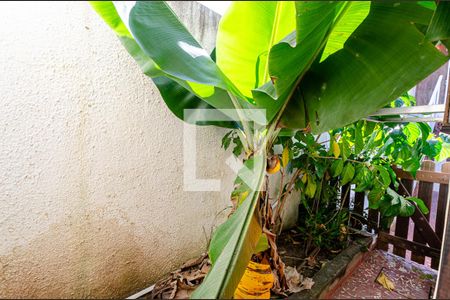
291 249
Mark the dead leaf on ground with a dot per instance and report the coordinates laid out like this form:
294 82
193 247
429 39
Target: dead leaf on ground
181 283
296 282
311 261
385 281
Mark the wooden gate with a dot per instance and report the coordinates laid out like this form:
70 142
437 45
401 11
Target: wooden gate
420 234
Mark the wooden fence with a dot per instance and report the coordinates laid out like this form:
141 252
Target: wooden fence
420 234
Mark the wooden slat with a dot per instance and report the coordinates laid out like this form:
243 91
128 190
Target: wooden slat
381 244
373 220
425 230
443 283
409 245
447 104
425 193
420 109
442 290
440 213
358 208
424 175
402 223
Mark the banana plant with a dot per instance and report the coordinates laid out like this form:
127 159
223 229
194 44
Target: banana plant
311 66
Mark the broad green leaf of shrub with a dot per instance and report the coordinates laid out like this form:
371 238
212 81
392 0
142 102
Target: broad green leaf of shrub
420 204
375 195
311 187
412 132
347 173
337 167
384 174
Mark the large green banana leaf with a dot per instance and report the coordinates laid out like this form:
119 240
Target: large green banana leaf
384 57
245 36
344 27
439 28
162 36
319 25
108 13
176 96
235 241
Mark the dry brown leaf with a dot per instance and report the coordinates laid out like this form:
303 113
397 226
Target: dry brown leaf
191 276
307 283
311 261
193 262
296 282
205 268
385 282
293 279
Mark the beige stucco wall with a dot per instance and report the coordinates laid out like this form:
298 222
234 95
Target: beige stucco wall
91 182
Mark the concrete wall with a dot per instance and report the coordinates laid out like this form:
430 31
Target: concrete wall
91 192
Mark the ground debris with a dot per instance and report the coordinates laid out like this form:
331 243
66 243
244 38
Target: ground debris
181 283
296 281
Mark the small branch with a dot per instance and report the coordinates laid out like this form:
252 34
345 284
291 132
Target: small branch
332 157
404 188
318 137
340 208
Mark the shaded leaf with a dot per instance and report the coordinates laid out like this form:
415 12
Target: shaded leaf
337 167
439 28
425 129
406 208
432 148
420 204
411 166
374 196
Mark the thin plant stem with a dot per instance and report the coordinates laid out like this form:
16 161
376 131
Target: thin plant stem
340 208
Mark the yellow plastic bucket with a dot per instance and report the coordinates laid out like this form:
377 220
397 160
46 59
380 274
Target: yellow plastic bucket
256 282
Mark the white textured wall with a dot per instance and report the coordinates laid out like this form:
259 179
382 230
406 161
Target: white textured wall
91 192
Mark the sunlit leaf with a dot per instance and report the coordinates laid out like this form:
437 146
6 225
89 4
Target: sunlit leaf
311 187
246 33
347 173
412 132
285 156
